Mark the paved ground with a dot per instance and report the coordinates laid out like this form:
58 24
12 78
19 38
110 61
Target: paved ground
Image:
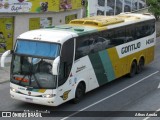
158 27
4 72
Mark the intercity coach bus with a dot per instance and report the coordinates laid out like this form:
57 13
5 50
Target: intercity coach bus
53 65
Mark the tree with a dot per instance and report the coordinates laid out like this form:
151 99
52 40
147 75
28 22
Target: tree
154 7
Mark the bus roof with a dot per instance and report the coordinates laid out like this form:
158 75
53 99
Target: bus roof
77 27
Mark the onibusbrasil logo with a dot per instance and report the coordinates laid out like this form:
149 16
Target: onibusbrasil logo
22 114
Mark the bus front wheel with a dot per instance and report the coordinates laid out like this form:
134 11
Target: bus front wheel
133 69
80 91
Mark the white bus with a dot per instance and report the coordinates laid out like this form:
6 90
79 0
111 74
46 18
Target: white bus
53 65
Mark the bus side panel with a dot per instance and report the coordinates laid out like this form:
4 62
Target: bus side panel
106 66
102 67
83 70
119 65
135 56
147 54
150 55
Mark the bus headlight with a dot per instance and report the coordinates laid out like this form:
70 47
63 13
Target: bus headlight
12 89
49 95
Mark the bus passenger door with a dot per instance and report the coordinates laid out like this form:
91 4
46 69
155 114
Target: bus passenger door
66 60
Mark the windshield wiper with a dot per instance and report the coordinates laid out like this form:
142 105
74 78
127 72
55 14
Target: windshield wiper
37 81
32 73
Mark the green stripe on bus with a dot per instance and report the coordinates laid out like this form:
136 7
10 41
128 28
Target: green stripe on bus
107 65
98 68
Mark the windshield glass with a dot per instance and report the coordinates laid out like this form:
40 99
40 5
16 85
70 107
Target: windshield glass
36 48
32 72
32 64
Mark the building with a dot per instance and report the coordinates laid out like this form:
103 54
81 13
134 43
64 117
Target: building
18 16
113 7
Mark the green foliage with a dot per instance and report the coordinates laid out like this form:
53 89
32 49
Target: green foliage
154 7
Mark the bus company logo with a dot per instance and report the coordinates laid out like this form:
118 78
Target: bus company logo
6 114
65 95
29 93
130 48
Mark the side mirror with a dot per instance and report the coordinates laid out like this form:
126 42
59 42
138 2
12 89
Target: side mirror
3 57
55 66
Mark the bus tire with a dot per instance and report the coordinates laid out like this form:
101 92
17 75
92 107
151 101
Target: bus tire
140 65
80 91
133 69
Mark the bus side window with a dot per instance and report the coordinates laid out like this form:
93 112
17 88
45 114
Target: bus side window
138 31
151 26
16 65
130 33
83 45
66 61
144 29
119 36
62 71
108 35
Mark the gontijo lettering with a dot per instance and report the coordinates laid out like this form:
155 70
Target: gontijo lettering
131 47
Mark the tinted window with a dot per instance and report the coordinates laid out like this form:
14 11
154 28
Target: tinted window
66 61
152 26
101 2
130 33
115 36
119 36
139 31
144 29
90 44
95 42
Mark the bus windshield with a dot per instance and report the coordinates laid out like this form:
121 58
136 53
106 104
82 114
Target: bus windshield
36 48
32 64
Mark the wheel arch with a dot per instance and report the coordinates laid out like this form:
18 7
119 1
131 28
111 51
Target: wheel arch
133 60
142 57
80 81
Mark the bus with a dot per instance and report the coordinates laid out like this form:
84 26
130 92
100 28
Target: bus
54 65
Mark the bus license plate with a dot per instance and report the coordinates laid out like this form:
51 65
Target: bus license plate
29 99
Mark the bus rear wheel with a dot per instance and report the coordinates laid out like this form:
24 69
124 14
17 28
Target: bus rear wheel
133 69
80 91
140 65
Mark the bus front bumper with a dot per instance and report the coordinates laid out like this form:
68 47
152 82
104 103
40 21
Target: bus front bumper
32 99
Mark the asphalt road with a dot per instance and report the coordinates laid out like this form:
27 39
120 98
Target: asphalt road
140 93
